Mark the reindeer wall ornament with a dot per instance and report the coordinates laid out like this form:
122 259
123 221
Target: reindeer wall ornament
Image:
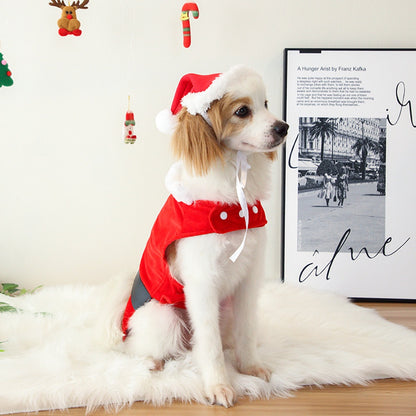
68 23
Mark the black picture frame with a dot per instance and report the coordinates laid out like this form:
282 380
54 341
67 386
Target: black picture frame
365 248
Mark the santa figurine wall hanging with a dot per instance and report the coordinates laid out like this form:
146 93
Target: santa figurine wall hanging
68 23
129 136
5 73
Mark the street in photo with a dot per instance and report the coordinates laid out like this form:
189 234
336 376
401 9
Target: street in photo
341 183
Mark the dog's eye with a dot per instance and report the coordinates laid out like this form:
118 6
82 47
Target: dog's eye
243 112
266 104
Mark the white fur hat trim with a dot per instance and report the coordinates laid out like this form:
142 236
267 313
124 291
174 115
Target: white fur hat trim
233 81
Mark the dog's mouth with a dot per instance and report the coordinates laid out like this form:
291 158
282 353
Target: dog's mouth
278 134
251 147
269 147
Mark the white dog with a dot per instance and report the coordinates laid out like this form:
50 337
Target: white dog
207 243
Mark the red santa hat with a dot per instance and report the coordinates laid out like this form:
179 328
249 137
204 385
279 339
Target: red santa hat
196 93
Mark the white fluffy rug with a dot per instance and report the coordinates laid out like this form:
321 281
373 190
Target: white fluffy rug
61 351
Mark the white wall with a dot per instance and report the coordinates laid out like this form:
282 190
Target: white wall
76 203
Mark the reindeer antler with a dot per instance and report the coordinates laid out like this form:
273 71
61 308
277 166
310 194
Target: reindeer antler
59 3
80 6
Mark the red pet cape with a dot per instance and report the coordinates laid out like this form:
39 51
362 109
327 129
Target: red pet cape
178 220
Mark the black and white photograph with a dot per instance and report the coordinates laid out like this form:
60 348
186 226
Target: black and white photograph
349 216
341 182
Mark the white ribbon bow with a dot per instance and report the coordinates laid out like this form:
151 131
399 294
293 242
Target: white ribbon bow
242 168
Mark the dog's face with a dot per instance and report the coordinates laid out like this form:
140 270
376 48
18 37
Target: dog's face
246 124
239 120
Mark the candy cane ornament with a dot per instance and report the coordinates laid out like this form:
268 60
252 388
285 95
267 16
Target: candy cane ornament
186 26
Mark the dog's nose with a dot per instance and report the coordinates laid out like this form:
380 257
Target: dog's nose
280 129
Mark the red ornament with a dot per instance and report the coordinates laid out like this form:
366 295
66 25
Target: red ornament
186 26
129 136
68 23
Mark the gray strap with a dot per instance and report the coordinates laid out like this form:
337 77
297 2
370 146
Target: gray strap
139 293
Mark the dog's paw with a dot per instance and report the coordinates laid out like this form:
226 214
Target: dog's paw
257 371
221 394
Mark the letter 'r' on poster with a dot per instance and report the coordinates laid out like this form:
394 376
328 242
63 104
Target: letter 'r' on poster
349 223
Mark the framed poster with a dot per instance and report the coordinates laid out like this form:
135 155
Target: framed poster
350 199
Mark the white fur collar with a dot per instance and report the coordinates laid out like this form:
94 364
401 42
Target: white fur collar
219 183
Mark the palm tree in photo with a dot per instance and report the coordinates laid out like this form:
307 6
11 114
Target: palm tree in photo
362 146
323 128
381 149
327 166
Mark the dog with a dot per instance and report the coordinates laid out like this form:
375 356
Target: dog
205 253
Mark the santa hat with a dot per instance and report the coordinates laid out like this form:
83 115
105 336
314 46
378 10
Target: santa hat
196 93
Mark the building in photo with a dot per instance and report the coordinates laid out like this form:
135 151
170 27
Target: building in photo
341 140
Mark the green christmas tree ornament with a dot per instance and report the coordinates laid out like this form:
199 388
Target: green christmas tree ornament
5 73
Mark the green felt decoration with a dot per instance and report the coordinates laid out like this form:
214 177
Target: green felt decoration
5 73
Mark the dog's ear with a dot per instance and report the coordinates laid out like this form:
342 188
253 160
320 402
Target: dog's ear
195 142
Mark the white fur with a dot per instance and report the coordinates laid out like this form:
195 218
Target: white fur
202 263
155 322
71 355
219 185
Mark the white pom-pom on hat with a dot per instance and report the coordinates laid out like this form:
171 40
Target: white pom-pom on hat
166 121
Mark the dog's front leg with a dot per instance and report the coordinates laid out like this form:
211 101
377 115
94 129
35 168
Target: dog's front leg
245 328
203 307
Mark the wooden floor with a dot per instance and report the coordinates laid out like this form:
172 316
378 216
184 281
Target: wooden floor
383 397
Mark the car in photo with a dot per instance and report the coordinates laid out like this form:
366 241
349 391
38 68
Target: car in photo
313 178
